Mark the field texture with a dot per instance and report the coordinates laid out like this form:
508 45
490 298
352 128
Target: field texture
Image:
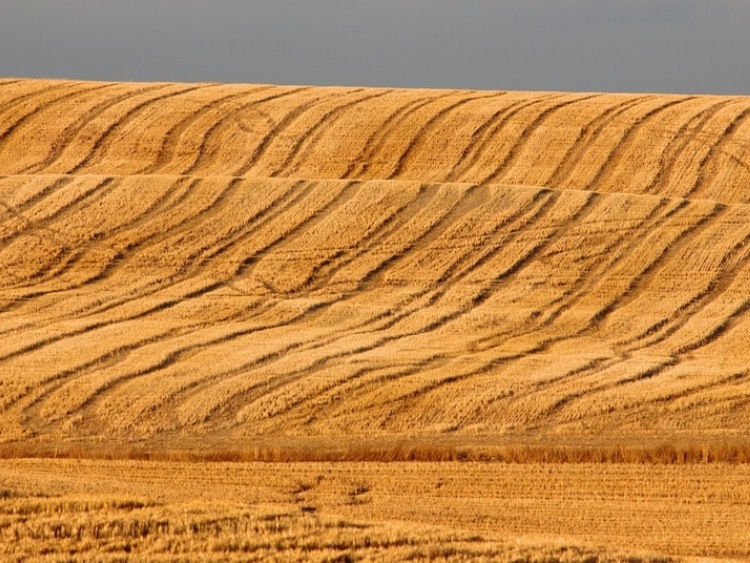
224 263
375 511
256 272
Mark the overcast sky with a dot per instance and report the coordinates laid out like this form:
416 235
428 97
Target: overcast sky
685 46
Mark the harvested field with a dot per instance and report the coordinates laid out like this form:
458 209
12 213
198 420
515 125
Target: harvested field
195 272
568 512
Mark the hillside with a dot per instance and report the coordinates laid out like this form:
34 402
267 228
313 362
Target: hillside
221 266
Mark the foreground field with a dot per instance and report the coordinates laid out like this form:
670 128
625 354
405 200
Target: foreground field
376 511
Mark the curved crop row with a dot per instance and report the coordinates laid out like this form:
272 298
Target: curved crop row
138 305
679 146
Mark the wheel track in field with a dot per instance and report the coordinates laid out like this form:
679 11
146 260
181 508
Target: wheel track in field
244 368
588 137
541 346
615 156
679 144
528 131
342 196
732 265
627 354
612 255
403 160
202 161
106 307
117 252
719 147
107 138
484 133
78 90
463 280
284 123
140 222
94 192
148 289
361 164
391 338
160 307
171 140
211 208
643 277
67 135
315 132
13 103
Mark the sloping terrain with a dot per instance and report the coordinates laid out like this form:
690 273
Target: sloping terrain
212 264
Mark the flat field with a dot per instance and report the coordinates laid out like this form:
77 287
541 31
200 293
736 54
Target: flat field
208 272
375 511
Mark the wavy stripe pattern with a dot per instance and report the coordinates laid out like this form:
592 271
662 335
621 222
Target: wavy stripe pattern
239 261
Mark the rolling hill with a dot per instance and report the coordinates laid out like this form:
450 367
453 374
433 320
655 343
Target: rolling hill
221 266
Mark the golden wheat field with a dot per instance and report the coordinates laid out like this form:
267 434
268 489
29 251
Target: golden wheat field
513 284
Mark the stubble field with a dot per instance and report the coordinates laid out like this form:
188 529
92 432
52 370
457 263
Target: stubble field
206 272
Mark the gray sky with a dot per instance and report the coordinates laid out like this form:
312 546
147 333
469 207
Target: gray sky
685 46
